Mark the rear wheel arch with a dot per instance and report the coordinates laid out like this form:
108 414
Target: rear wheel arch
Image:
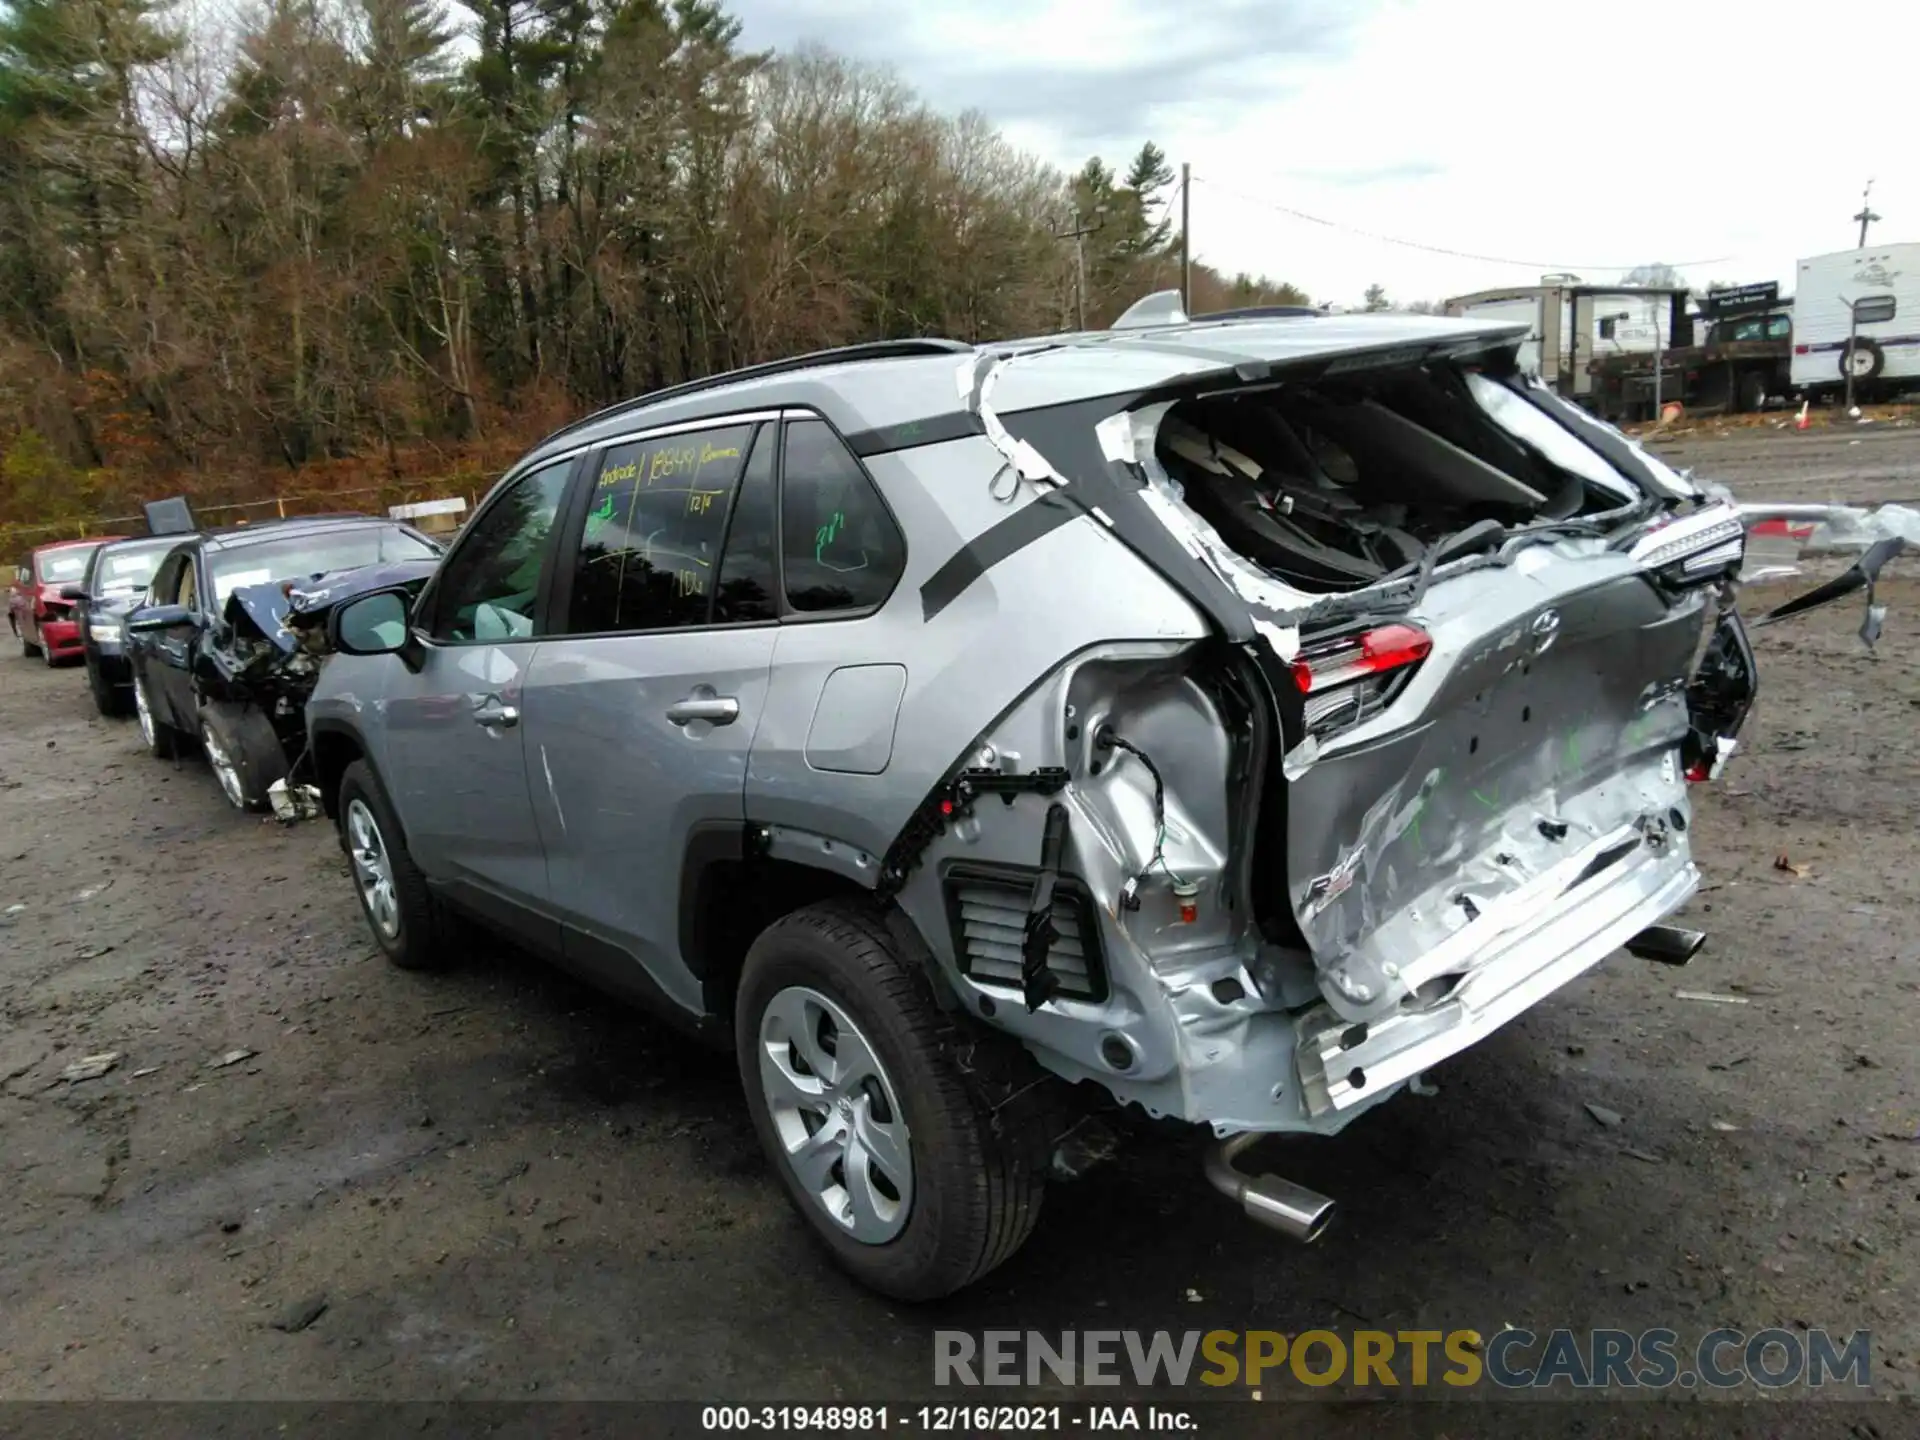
730 895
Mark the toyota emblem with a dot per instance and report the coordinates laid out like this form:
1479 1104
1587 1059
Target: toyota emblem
1545 627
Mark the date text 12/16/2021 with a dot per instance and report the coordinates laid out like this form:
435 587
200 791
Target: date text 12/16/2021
944 1419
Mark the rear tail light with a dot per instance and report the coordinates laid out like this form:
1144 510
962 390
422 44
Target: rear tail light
1694 548
1348 678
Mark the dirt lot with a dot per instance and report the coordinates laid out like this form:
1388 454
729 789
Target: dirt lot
506 1188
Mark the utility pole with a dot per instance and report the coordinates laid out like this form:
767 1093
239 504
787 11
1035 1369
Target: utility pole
1186 240
1078 234
1866 215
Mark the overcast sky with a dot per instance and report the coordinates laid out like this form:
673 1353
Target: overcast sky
1730 137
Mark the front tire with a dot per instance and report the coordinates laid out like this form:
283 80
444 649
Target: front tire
106 698
243 752
408 923
899 1167
162 740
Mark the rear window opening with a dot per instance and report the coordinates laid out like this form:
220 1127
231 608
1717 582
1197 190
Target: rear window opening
1340 483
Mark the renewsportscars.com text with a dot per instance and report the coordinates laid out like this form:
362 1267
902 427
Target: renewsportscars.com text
1514 1359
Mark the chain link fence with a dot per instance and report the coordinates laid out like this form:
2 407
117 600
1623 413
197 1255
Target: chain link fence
371 500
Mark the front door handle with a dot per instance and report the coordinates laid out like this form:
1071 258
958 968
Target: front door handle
496 716
715 709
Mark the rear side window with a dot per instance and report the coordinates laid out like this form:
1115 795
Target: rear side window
650 546
840 549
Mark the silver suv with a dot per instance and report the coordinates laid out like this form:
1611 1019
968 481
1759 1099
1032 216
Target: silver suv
1239 715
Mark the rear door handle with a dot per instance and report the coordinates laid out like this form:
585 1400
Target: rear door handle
496 716
715 709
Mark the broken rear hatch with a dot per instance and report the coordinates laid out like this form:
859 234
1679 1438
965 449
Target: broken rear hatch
1482 630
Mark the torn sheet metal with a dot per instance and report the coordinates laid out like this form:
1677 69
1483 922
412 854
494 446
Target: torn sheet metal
294 803
1168 502
976 378
1432 840
1779 535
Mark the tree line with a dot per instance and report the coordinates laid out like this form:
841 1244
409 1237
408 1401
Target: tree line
340 235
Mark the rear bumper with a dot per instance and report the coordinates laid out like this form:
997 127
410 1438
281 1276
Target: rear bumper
1342 1065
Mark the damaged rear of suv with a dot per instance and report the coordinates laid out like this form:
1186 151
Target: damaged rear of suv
1240 716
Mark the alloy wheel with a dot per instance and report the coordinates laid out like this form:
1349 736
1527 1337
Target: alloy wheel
372 869
223 765
143 710
837 1114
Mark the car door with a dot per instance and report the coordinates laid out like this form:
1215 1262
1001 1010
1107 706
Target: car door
640 717
456 758
821 761
170 651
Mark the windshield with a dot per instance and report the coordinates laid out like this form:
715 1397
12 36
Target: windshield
321 553
122 569
63 566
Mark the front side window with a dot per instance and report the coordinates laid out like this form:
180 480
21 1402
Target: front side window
490 583
186 585
840 549
125 569
650 545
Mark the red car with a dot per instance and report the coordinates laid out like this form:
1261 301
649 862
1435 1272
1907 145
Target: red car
40 615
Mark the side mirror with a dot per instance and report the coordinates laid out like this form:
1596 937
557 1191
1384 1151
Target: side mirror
74 592
374 624
161 617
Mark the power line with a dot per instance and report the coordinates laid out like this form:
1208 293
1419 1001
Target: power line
1545 265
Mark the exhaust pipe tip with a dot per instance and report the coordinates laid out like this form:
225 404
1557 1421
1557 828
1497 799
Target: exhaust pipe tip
1666 944
1293 1210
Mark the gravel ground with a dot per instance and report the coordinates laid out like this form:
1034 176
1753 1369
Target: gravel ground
502 1187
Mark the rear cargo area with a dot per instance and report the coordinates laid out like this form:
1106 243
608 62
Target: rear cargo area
1491 691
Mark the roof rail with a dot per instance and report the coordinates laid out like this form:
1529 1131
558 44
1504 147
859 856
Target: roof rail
867 350
1260 312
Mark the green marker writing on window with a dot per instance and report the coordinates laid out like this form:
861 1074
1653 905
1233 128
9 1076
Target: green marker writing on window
600 515
827 534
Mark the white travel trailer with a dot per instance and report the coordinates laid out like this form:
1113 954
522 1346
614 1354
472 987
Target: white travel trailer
1574 324
1881 282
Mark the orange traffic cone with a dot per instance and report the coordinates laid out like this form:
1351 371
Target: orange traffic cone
1801 423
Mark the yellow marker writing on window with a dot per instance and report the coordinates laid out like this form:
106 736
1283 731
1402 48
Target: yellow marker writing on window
669 461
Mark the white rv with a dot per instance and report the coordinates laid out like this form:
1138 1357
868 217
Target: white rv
1574 324
1883 283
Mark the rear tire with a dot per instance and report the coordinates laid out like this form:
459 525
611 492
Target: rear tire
163 741
407 921
885 1088
1750 392
243 752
